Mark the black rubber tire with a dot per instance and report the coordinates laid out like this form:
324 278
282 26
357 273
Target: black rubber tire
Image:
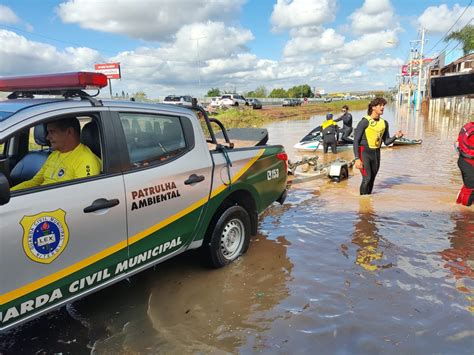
236 104
344 173
229 238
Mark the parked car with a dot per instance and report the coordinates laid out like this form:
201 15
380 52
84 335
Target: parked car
255 103
160 191
215 102
327 99
182 100
291 102
287 102
232 100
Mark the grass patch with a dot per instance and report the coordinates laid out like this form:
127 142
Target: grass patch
246 117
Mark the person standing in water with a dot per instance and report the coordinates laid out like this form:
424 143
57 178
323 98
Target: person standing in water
346 119
465 145
329 132
371 131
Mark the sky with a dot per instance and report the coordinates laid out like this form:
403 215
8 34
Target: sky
189 46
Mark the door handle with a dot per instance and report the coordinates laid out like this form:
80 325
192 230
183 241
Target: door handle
193 178
101 204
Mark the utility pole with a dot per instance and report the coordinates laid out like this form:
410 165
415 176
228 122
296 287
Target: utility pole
198 61
420 70
409 79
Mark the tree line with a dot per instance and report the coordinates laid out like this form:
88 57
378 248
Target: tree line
299 91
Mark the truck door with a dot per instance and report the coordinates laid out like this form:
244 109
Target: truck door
167 183
61 240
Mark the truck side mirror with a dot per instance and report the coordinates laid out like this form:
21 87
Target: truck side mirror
194 102
4 190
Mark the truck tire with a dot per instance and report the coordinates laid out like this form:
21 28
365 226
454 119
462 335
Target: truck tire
230 237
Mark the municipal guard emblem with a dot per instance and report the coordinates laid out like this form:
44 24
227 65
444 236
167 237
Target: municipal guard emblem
45 235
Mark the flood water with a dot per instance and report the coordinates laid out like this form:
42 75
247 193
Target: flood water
330 272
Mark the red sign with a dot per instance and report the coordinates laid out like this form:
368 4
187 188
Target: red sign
111 70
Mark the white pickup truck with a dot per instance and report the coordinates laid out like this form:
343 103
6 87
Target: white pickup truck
164 187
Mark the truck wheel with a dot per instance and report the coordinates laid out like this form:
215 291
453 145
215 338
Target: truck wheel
230 237
236 104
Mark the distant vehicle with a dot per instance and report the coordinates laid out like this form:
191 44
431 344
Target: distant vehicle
181 100
296 102
327 99
215 102
255 103
288 102
233 100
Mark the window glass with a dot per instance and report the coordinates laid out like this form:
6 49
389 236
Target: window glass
152 138
34 163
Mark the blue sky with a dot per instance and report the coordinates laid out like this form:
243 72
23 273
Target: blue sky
188 46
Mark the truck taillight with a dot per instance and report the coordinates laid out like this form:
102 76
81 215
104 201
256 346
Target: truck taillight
283 156
64 81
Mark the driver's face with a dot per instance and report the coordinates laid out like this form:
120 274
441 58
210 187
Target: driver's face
57 137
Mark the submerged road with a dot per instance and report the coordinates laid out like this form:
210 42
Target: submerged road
329 272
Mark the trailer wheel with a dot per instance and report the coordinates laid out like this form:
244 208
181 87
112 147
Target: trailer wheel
230 237
344 172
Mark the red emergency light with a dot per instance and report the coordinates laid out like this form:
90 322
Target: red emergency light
52 82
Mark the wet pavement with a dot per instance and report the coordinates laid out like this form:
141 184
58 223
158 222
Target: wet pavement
329 272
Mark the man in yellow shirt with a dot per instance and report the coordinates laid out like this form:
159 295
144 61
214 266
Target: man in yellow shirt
70 158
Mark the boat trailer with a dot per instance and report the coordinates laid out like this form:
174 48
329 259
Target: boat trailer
308 169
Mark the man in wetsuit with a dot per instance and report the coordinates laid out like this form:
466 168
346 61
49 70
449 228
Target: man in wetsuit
329 131
70 158
347 124
371 131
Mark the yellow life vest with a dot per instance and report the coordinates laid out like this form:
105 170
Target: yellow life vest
328 123
374 132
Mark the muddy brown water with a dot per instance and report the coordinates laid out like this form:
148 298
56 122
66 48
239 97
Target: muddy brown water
330 272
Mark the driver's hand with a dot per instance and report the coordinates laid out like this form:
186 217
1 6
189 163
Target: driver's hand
358 164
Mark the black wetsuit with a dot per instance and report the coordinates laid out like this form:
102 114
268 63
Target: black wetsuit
369 157
329 135
347 126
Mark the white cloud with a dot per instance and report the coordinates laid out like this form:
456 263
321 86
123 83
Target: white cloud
326 40
384 63
356 74
206 41
145 19
371 43
438 19
19 56
296 13
7 15
373 16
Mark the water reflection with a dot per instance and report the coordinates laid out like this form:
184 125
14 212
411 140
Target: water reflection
201 310
366 236
459 258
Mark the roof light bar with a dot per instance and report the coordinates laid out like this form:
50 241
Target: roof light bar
52 82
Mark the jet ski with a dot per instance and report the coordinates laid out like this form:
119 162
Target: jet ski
406 141
313 142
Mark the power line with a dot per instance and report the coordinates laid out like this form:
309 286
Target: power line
447 32
447 45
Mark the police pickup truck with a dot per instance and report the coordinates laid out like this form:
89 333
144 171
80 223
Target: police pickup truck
166 185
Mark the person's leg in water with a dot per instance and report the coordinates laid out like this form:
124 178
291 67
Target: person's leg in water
466 195
325 147
375 169
333 147
367 156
